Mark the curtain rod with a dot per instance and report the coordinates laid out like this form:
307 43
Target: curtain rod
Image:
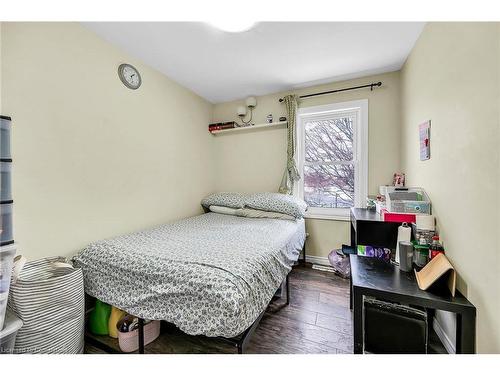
370 85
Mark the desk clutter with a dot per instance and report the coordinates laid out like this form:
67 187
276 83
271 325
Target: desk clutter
416 245
417 242
397 247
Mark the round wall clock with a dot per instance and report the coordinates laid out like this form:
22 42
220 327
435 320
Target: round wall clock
129 76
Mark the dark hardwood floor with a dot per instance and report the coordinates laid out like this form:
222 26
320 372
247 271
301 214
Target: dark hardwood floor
318 320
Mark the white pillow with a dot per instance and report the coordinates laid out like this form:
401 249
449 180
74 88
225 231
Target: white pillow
226 199
250 212
223 210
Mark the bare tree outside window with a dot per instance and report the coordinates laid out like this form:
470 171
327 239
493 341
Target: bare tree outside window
329 163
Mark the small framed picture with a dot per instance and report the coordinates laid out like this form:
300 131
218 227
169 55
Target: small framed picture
424 130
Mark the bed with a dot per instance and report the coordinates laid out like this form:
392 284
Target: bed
211 274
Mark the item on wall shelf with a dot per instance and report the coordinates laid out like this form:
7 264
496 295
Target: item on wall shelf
424 131
250 103
222 126
282 118
398 179
433 271
269 118
404 235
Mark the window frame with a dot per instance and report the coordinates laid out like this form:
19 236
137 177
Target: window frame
360 154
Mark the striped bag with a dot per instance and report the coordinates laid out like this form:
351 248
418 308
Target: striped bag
47 295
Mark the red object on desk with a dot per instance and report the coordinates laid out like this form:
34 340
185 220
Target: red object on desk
398 217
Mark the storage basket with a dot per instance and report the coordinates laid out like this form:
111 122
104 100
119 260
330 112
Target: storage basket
408 200
48 297
7 254
129 341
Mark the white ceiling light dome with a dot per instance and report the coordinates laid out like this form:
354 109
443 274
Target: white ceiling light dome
233 25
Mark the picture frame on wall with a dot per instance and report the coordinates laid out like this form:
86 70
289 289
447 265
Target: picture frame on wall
425 140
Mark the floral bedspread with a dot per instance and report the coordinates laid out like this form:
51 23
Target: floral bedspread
211 274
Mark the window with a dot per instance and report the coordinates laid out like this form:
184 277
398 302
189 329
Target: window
332 157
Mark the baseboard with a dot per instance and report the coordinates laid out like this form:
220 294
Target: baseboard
317 260
448 344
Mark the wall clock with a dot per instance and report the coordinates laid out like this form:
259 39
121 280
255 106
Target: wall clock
129 76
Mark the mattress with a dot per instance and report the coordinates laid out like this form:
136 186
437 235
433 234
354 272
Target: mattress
211 274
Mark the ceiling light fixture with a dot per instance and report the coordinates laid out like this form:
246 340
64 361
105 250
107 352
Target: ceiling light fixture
232 25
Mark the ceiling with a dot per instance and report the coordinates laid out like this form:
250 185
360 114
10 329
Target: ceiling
270 57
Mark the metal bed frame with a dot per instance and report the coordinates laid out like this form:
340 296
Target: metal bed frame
240 342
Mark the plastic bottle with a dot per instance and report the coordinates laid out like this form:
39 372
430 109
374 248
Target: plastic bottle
98 319
435 248
116 315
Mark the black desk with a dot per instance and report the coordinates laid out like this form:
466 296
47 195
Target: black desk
376 278
368 228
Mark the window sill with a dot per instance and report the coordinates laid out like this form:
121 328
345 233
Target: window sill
327 217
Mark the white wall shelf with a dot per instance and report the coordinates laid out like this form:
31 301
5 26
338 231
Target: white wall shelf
249 128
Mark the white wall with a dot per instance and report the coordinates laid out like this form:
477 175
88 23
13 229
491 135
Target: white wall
93 159
452 78
255 160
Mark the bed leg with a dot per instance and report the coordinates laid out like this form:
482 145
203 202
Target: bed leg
141 336
240 348
287 290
